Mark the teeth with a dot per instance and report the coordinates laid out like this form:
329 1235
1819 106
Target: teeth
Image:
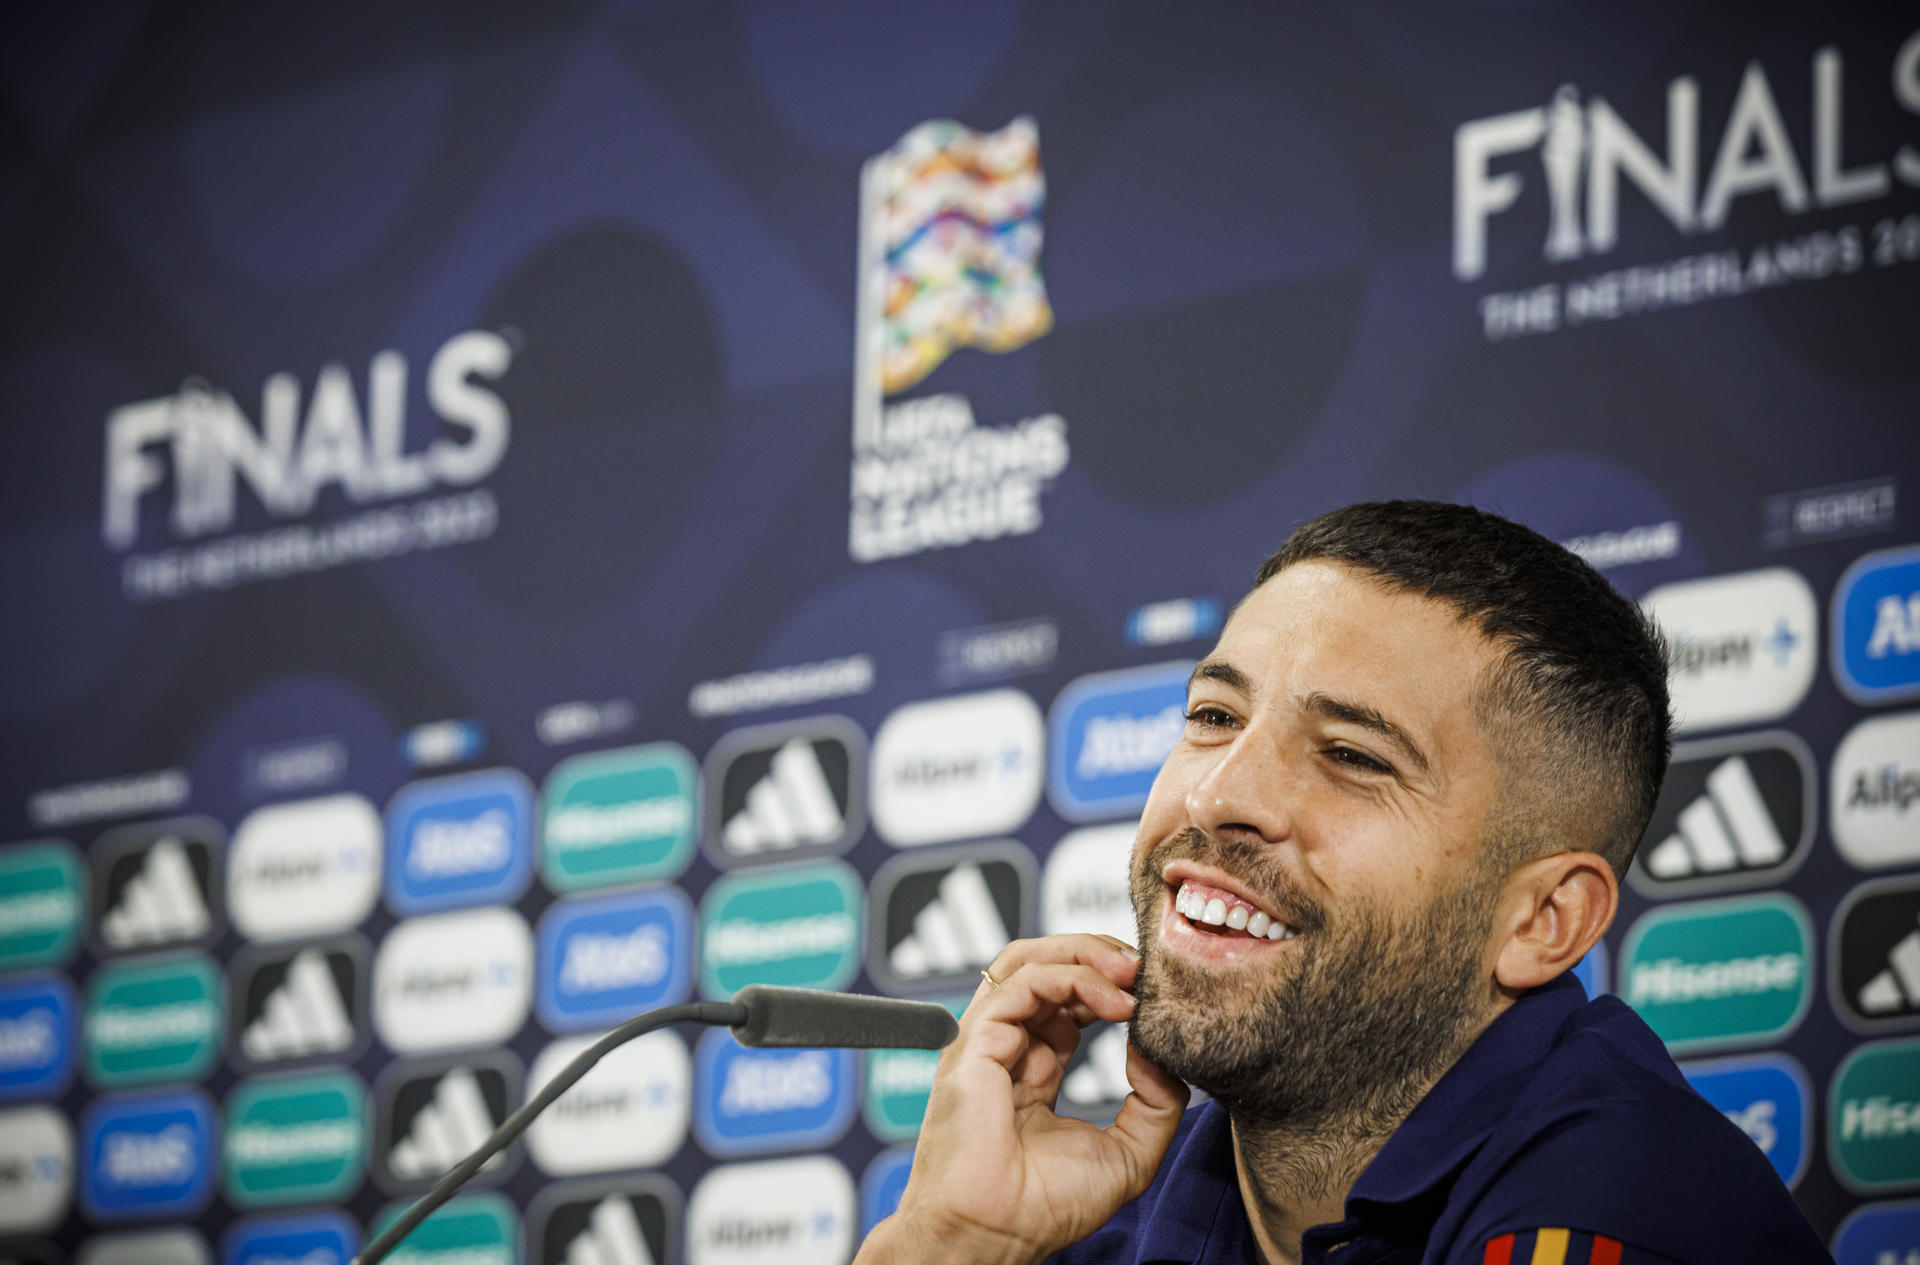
1215 912
1237 917
1258 924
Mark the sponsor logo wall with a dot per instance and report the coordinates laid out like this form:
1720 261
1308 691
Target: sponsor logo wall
424 660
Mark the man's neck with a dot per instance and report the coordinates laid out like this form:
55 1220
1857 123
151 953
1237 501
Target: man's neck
1292 1179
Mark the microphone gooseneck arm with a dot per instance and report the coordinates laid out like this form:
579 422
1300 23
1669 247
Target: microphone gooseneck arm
759 1016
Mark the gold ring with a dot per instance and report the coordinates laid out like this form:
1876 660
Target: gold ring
991 982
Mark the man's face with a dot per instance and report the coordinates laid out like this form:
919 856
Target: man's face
1327 799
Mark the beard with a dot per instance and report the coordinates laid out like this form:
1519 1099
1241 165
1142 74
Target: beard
1368 1008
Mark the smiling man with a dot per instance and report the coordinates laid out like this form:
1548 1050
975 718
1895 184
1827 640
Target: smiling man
1413 772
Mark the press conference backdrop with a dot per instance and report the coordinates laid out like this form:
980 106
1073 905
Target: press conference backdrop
516 516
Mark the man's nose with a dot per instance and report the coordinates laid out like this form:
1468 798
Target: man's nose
1247 789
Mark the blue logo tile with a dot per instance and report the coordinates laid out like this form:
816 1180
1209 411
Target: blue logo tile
1767 1096
749 1101
882 1185
465 840
1876 627
324 1238
150 1155
1879 1234
604 960
1111 731
36 1037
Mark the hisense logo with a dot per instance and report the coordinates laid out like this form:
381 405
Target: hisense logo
1586 151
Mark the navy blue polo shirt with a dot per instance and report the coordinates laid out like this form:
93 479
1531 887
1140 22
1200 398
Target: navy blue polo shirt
1563 1136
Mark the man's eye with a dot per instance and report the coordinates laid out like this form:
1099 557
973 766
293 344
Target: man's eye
1358 759
1208 717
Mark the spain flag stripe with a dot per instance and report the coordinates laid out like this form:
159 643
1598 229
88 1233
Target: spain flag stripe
1499 1251
1606 1251
1550 1248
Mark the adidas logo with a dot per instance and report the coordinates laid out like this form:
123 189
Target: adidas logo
612 1237
303 1015
162 902
1898 986
1102 1077
1730 812
1876 954
959 930
791 806
941 918
442 1130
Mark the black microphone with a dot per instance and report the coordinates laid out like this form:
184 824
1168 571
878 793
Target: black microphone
760 1015
789 1017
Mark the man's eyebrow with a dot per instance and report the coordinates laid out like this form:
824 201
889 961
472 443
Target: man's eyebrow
1369 719
1222 671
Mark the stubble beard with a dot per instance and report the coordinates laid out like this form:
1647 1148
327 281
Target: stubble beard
1366 1013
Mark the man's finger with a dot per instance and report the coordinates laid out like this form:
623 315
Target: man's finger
1111 957
1148 1119
1000 1023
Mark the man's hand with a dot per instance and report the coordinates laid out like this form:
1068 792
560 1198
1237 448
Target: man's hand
997 1176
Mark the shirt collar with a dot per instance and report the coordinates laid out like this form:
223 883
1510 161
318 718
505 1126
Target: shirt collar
1470 1098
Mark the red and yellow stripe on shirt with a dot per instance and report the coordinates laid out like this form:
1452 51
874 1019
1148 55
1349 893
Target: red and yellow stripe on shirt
1557 1246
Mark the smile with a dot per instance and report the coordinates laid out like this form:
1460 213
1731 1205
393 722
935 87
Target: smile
1210 907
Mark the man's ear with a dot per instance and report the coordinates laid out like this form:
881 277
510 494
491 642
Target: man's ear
1554 909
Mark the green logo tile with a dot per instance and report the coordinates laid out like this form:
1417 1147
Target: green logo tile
797 927
468 1230
626 816
897 1084
1720 973
42 904
154 1020
296 1139
1873 1116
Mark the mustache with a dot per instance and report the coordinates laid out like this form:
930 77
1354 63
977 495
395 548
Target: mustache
1251 863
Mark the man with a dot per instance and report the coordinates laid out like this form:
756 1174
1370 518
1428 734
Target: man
1413 772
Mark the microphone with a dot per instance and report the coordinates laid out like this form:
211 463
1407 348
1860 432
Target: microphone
790 1017
760 1015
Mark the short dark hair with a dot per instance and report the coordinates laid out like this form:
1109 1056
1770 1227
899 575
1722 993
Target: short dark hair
1576 707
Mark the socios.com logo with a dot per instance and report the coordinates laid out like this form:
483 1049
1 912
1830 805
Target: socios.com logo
42 904
36 1169
752 1101
629 1111
451 980
154 1021
148 1156
1879 1234
321 1238
1742 648
1874 801
1766 1095
797 927
958 768
1873 1117
295 1139
36 1037
1720 973
1876 627
1111 733
619 817
465 840
605 960
306 868
797 1212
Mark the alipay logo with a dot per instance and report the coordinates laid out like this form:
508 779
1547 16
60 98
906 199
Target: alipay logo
784 792
464 840
634 1221
301 1003
605 960
943 917
306 868
42 904
1874 800
629 1111
466 1230
296 1139
1083 886
619 817
1876 627
450 980
1766 1095
36 1169
752 1101
1873 1116
1732 813
1720 973
1742 647
321 1238
794 1212
1875 962
958 768
156 884
148 1156
798 927
36 1037
154 1021
1111 732
433 1117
